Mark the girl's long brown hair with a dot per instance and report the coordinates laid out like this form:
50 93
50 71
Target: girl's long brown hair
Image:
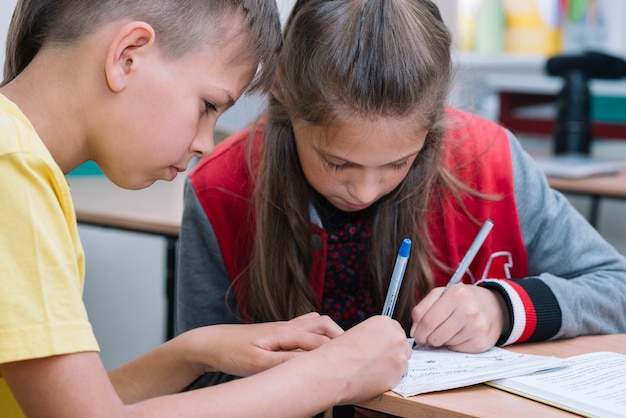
343 58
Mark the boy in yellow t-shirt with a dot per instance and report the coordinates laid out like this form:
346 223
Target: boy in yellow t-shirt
137 87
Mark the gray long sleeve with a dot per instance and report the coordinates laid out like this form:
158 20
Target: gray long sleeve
561 244
202 281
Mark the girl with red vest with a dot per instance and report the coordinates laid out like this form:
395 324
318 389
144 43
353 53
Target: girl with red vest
306 210
137 86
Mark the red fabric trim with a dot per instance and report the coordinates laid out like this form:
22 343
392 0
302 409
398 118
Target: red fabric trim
529 310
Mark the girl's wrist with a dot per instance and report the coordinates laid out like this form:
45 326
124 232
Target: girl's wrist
506 309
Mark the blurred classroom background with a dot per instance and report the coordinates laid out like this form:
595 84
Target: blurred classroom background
500 45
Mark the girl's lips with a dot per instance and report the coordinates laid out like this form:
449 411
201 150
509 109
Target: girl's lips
358 206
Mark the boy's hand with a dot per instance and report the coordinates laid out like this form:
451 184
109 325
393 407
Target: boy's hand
366 360
245 349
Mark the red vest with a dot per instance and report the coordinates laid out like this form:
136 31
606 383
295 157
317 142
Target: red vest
476 151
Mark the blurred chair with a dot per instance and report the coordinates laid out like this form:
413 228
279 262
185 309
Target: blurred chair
573 133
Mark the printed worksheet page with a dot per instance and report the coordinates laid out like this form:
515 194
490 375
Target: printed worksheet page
433 369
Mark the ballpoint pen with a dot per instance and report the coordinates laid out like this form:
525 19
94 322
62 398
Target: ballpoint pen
396 277
471 253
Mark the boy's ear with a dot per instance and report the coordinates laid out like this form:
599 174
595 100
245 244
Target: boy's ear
130 44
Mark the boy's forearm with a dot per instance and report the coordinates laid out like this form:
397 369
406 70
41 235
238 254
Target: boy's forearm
162 371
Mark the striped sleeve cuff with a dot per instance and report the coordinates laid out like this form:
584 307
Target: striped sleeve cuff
534 312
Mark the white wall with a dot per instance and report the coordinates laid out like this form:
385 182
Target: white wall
125 291
248 107
6 11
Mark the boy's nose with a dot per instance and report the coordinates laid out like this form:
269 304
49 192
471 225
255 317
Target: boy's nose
203 144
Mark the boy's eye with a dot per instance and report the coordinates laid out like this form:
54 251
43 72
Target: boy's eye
208 107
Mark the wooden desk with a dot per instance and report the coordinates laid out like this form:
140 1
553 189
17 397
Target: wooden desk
595 187
608 186
156 210
484 401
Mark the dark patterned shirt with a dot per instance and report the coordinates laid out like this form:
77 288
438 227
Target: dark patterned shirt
347 295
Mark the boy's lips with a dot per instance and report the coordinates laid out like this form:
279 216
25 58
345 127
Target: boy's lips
174 171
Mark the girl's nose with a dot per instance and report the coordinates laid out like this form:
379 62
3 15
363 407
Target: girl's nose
363 189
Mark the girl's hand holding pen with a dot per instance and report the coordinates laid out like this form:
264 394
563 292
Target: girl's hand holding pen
466 318
463 318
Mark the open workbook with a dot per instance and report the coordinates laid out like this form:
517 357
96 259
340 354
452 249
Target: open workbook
592 385
434 369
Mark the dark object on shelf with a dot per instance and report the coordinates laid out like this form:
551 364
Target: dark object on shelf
573 124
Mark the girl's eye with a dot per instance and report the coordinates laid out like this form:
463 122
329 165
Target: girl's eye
400 165
334 166
396 166
208 107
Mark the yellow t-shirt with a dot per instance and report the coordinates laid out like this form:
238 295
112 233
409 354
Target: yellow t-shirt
41 258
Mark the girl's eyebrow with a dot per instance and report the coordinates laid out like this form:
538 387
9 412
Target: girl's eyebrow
330 155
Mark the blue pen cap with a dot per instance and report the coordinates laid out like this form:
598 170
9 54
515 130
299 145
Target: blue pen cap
405 248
